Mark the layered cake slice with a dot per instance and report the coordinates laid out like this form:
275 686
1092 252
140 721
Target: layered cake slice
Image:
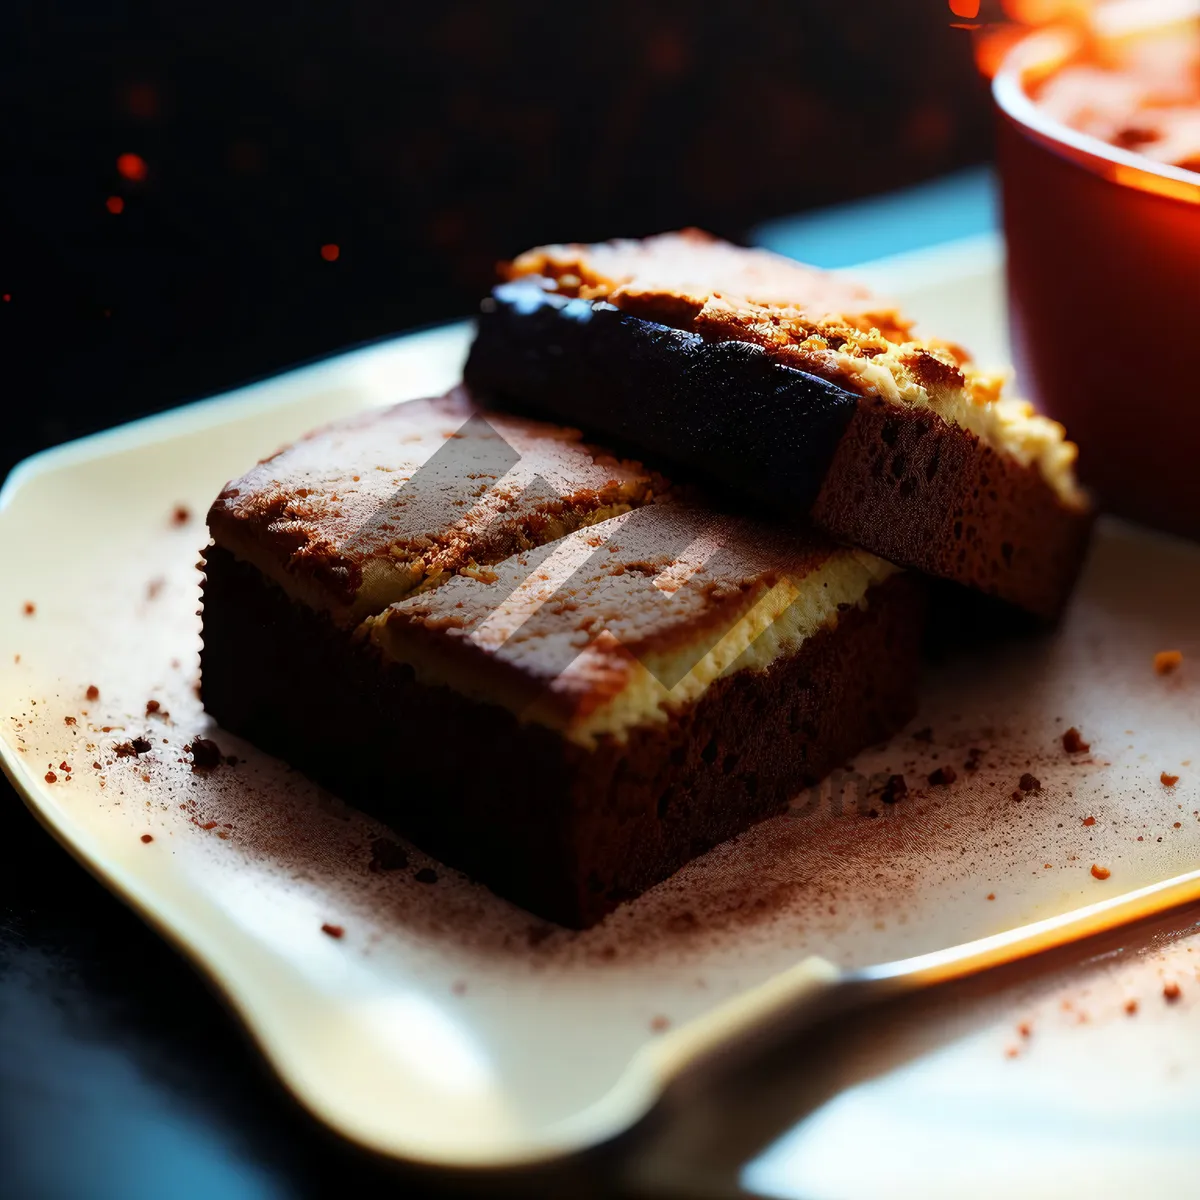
568 721
799 391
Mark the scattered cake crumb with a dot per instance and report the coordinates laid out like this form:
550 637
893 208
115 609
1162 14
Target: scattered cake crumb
1025 1029
1168 780
181 515
1171 992
1089 820
387 855
69 721
1100 872
152 706
1029 783
1073 742
942 777
1131 1007
131 749
206 755
93 692
1012 1051
1166 661
333 931
147 838
51 777
991 895
30 608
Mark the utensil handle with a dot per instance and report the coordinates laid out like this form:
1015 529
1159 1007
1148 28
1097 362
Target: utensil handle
796 997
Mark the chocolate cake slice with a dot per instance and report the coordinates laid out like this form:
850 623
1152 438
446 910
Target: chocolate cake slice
800 391
568 721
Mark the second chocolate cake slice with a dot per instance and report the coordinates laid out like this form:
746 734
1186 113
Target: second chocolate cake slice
800 391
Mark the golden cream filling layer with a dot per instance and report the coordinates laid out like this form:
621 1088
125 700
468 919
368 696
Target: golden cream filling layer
775 627
1006 424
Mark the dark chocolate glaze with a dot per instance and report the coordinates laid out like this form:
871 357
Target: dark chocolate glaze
725 410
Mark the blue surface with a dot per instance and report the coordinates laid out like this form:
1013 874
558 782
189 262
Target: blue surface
955 206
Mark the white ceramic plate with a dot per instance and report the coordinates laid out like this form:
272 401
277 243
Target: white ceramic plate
445 1025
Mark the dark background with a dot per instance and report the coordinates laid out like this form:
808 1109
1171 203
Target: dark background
426 143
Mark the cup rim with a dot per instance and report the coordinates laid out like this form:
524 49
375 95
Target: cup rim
1041 53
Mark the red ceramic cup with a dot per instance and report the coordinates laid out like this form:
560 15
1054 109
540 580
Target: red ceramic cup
1104 298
